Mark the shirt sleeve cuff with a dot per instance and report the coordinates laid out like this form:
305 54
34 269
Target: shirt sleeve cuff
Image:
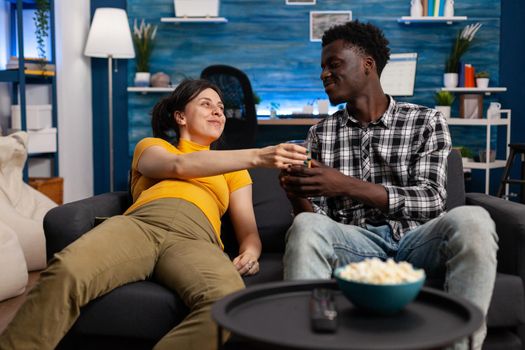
317 209
396 200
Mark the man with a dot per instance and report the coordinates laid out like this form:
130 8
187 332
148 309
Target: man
378 187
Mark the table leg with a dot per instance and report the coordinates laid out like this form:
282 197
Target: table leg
219 338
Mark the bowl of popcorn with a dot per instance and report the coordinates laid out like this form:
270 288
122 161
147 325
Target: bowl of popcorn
383 287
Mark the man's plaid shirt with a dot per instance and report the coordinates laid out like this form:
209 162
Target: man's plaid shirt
408 149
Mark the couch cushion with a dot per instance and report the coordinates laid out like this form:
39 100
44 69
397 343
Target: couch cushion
272 213
271 269
148 310
507 308
501 339
455 180
272 208
138 310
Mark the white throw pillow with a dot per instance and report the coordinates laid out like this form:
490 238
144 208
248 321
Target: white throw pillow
22 208
13 269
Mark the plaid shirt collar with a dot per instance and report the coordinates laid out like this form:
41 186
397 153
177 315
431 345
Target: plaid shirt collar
385 120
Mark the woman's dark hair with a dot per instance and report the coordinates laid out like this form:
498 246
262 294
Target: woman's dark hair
364 36
162 116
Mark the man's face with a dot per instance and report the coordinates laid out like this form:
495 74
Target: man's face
343 72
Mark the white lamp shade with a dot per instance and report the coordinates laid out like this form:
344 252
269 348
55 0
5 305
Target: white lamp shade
110 35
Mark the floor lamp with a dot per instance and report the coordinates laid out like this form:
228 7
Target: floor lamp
110 37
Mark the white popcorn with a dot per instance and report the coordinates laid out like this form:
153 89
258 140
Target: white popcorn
375 271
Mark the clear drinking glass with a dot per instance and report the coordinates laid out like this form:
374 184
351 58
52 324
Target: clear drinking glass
313 151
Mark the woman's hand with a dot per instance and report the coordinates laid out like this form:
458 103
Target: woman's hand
246 264
281 156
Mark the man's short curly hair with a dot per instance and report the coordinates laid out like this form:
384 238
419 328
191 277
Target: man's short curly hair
364 36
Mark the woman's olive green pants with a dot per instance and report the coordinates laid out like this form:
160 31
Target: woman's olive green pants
169 239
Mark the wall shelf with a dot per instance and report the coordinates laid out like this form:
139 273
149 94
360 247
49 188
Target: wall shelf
480 122
9 76
12 76
431 19
475 90
194 19
485 165
20 78
487 123
150 89
287 121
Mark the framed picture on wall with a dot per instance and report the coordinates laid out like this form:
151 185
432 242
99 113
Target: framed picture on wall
300 2
320 21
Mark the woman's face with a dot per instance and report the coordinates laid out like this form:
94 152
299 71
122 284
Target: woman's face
203 118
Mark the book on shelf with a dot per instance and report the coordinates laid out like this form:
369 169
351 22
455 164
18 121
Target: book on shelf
441 11
46 73
425 7
40 64
461 80
436 8
431 7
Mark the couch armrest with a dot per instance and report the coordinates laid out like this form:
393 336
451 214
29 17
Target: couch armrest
510 226
65 223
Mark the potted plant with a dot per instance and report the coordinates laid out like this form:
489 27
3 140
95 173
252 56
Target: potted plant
256 98
482 79
444 100
41 20
461 45
467 155
144 42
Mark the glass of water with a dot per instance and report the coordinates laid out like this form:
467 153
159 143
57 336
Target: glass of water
311 149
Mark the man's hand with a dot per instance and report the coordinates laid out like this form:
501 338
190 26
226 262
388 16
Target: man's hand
319 180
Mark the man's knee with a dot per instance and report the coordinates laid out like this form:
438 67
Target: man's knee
473 227
307 227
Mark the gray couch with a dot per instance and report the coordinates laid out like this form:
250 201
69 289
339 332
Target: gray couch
134 316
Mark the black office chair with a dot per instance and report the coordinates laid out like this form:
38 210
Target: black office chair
241 117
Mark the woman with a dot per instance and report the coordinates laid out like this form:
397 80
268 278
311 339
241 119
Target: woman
171 232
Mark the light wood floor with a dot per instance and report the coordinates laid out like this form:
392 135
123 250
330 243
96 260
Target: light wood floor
9 307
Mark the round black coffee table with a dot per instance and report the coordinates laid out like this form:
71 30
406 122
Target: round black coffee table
275 316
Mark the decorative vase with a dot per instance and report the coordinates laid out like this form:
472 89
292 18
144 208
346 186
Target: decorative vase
482 82
449 8
483 156
416 9
445 110
142 78
494 110
160 79
450 80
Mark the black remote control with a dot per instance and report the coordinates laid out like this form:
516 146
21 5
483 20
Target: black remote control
323 315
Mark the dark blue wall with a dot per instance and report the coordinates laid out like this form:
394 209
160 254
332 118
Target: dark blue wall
511 70
99 75
270 42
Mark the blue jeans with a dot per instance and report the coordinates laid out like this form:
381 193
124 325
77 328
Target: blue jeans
459 248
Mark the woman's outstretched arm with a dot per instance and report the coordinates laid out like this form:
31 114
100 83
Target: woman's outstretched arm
156 162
